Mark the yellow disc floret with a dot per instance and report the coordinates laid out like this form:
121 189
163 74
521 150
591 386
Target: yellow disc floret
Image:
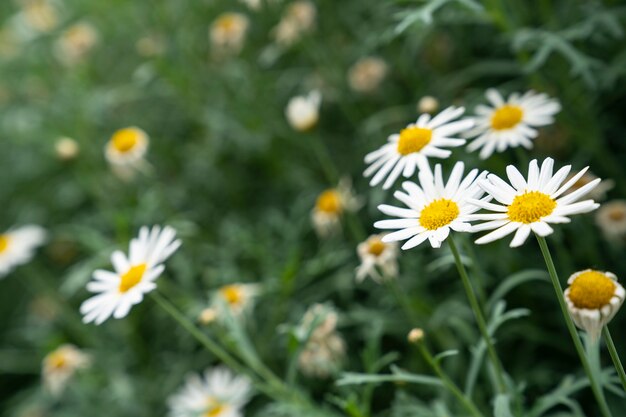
4 243
125 140
132 277
329 202
530 207
232 294
413 139
591 290
506 117
376 247
214 410
57 360
439 213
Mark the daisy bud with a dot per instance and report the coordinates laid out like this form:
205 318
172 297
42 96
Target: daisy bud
366 75
302 112
415 335
427 104
66 149
207 316
593 298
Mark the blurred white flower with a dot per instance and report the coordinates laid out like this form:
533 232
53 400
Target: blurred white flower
76 42
207 316
66 149
298 19
510 123
302 112
374 255
238 298
40 15
17 246
218 393
325 349
60 365
228 32
611 218
331 204
593 298
366 75
427 104
597 193
125 151
134 275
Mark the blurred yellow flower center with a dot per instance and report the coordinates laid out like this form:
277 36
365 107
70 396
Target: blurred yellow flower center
4 243
227 22
132 277
591 290
506 117
376 247
439 213
125 140
57 360
329 202
616 215
214 409
413 139
232 294
530 207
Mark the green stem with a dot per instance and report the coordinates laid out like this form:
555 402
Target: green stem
597 391
447 382
478 315
614 356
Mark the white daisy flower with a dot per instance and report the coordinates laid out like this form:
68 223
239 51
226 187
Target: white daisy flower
376 254
17 246
60 365
530 204
127 147
593 298
219 393
76 42
510 123
367 74
411 148
611 218
238 298
331 204
598 193
303 112
134 275
433 207
228 31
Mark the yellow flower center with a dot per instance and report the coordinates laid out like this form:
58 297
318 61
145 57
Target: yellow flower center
232 294
439 213
4 243
413 139
616 215
214 409
530 207
132 277
376 247
125 140
329 202
227 22
57 360
506 117
591 290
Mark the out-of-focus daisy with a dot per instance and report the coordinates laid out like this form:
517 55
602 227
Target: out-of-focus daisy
76 42
510 123
434 208
330 205
427 104
593 298
59 366
238 298
366 75
66 149
325 349
298 19
126 149
410 149
598 193
40 15
611 218
218 393
17 246
228 32
207 316
134 275
303 112
531 204
379 260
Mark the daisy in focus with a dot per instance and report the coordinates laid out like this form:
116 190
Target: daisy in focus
434 208
531 204
510 123
126 150
60 365
411 148
218 393
17 246
330 205
303 112
134 275
379 260
237 298
593 298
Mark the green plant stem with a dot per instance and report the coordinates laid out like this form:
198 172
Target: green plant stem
614 356
597 390
447 382
478 315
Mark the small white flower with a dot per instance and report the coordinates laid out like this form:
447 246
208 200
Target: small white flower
134 275
238 298
598 193
76 42
298 19
593 298
611 218
428 104
17 246
376 254
330 205
410 149
127 147
60 365
40 15
228 31
219 393
530 204
66 149
510 123
302 112
434 208
366 75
